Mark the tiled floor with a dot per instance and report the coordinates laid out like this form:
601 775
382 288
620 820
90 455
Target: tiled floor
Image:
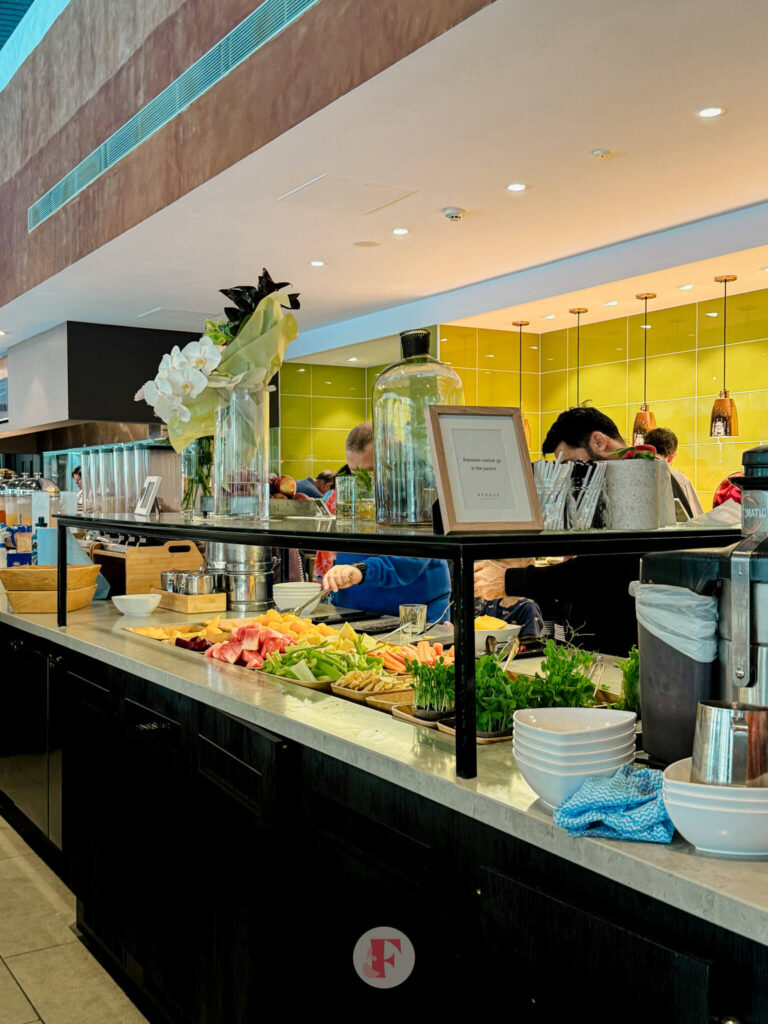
46 974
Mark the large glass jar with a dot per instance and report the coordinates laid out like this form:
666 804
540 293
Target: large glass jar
403 475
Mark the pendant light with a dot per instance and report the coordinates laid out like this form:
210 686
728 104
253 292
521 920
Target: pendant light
578 310
724 421
520 324
644 420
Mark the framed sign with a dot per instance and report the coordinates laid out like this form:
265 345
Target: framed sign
148 497
482 469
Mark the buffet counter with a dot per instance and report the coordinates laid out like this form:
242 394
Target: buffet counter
730 895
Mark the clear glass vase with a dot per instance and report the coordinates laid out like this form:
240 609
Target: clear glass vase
196 473
402 461
241 455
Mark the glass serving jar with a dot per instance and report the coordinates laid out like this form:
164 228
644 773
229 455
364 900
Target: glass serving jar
403 474
24 507
11 508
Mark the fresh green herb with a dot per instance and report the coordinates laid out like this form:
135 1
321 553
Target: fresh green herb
314 663
434 686
630 683
364 480
563 683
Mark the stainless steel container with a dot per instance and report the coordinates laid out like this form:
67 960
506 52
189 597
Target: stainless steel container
168 581
180 582
214 555
730 747
249 591
200 583
247 558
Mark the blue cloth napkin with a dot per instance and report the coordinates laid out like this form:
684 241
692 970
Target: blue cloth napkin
628 805
47 553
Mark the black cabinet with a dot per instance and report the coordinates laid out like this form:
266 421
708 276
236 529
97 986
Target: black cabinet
245 797
555 956
30 727
226 870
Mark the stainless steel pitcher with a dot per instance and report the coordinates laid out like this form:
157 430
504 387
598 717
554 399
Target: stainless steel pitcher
730 746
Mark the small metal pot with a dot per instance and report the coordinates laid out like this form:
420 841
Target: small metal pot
180 582
200 583
168 581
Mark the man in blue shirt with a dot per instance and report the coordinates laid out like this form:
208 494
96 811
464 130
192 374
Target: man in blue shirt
317 487
379 583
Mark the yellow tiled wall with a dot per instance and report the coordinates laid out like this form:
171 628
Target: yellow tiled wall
319 405
488 363
684 374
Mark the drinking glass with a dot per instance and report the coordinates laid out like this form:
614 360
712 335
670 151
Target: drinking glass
413 619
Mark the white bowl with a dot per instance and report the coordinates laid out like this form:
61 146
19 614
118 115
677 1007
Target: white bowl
554 787
714 830
534 739
759 807
136 604
566 726
293 595
562 768
560 758
676 781
503 636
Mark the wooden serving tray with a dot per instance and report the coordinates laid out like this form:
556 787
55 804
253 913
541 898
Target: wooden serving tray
298 682
191 604
361 696
387 700
450 730
404 711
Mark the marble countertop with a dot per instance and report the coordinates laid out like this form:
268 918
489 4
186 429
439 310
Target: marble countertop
728 893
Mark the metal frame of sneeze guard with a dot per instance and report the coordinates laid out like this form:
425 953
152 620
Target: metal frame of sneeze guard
741 660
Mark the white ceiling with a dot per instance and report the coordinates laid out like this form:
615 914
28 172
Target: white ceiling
522 91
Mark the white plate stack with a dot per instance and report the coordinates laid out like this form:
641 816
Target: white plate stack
728 821
556 749
293 595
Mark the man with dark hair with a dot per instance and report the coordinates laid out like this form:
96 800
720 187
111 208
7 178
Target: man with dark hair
316 487
590 593
665 443
581 434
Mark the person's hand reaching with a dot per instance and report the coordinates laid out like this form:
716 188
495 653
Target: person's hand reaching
340 577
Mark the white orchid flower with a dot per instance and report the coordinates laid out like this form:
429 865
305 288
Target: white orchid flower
171 406
186 382
170 361
202 355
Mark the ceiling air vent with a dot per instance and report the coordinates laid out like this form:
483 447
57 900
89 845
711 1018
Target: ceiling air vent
269 18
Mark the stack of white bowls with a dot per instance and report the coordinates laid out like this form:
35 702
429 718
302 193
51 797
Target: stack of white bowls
293 595
726 820
556 749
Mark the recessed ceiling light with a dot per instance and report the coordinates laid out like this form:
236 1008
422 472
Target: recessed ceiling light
549 316
516 186
366 245
317 263
613 302
352 359
710 111
685 287
711 314
601 154
399 231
